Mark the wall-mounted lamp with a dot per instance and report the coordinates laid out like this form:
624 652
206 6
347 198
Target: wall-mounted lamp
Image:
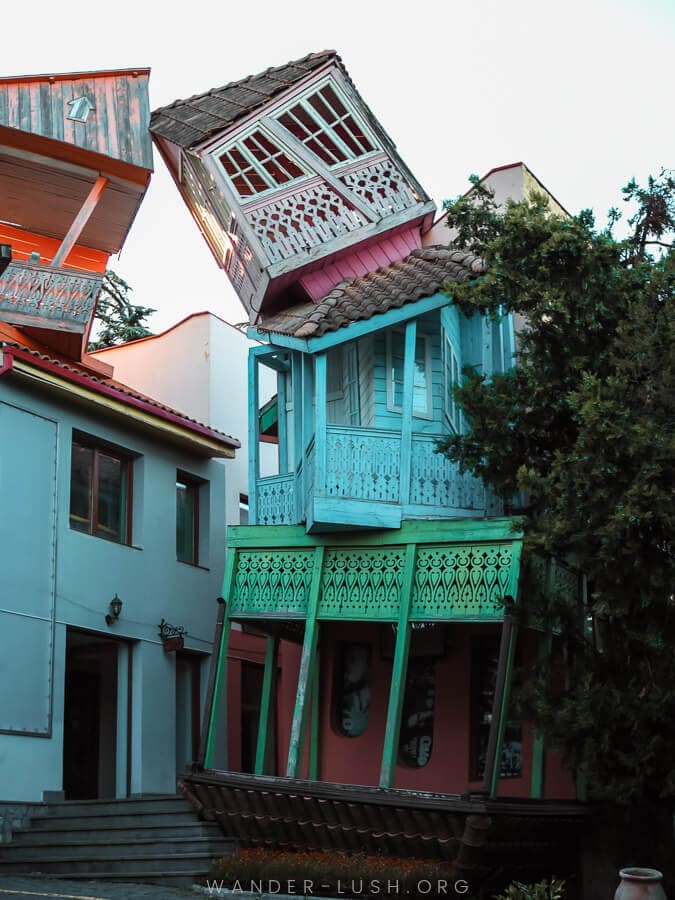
115 610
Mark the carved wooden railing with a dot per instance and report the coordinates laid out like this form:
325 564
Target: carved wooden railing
436 481
31 293
276 501
365 464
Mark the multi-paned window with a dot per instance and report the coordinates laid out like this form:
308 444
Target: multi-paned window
187 519
451 378
100 491
484 657
422 399
256 163
326 127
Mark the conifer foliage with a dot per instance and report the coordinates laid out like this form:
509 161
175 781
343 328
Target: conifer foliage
583 427
117 319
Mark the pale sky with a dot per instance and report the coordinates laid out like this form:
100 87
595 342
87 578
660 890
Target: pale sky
580 91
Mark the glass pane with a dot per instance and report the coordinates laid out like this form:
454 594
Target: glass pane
110 497
186 522
354 689
81 478
417 721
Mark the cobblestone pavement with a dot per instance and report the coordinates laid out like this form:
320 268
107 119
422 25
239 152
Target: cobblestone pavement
40 888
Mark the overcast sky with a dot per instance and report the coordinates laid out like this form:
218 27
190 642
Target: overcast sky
580 91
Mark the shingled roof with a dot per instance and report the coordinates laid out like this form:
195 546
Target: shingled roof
421 274
189 122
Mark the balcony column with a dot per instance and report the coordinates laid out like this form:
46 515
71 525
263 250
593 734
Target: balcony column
282 423
399 673
306 676
500 706
407 409
267 705
320 437
253 438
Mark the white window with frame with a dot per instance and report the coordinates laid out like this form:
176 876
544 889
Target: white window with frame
323 121
451 378
256 162
342 386
422 397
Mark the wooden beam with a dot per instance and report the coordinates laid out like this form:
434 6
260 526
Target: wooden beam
315 724
211 685
79 222
314 163
398 673
500 705
407 409
267 705
220 677
306 674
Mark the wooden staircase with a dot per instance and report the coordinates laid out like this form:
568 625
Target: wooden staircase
148 839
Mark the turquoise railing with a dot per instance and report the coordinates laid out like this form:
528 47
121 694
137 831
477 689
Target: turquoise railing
365 464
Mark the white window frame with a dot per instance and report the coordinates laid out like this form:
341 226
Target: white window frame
452 375
237 143
303 100
391 405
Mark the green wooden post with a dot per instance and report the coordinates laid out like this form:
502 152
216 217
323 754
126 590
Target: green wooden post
267 702
220 678
315 724
398 673
500 706
538 748
306 674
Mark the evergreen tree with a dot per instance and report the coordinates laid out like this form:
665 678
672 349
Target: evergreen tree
117 319
584 426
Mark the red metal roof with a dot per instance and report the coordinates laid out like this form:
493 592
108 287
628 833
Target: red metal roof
24 347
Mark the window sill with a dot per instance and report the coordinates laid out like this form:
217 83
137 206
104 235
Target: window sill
193 565
100 537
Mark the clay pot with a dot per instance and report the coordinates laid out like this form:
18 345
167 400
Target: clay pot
640 884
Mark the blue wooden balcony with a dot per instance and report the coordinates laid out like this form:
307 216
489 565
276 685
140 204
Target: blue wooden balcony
367 477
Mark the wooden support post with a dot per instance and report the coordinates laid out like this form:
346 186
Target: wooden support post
538 747
210 687
315 724
253 438
306 674
282 423
587 627
307 396
219 673
320 436
79 222
267 705
407 407
398 673
500 705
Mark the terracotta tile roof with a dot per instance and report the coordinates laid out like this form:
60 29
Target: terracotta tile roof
14 338
421 274
190 121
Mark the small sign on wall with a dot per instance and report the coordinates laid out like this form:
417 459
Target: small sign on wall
173 636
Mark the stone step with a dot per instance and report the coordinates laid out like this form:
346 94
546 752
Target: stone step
77 833
126 817
136 805
169 878
112 850
126 866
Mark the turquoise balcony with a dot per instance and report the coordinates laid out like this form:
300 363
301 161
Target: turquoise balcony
357 429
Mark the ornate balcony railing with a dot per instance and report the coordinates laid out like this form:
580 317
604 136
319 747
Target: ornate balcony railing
31 293
365 464
436 481
276 500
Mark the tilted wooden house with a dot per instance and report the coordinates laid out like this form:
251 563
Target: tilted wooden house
385 564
